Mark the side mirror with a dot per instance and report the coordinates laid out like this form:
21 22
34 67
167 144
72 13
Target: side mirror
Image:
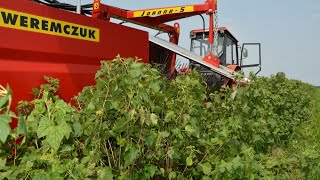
245 53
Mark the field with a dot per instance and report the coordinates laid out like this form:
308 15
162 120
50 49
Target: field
134 124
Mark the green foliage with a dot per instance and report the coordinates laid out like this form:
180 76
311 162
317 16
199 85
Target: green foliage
6 115
134 124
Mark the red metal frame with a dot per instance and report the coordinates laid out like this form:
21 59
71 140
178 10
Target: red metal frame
158 21
155 22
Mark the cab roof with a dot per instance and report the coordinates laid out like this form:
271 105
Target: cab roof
195 33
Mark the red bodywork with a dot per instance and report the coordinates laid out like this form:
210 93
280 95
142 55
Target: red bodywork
26 57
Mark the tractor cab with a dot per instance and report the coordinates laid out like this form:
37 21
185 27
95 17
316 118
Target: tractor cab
228 49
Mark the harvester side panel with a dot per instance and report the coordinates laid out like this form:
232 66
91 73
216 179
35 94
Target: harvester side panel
27 54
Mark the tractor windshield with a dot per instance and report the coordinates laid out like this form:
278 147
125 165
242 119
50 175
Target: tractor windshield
227 46
200 46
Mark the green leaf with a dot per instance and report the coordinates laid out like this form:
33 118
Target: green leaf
155 86
55 137
4 127
137 65
22 127
45 127
120 125
162 171
171 152
39 107
41 176
62 106
91 106
9 91
170 116
121 141
65 129
189 129
150 140
192 131
189 161
154 119
172 175
115 105
205 168
151 169
164 134
2 163
237 162
130 156
257 138
3 101
99 73
135 72
105 174
36 92
77 128
55 175
29 165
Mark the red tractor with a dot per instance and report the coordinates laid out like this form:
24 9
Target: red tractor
45 38
229 52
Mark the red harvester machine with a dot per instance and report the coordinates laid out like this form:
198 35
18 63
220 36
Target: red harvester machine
43 38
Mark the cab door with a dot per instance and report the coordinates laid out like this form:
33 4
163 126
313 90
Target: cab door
251 57
229 55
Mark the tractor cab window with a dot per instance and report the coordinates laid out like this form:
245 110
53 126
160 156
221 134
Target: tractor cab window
227 46
231 56
200 45
220 45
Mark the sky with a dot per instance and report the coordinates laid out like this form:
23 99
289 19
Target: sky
288 30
